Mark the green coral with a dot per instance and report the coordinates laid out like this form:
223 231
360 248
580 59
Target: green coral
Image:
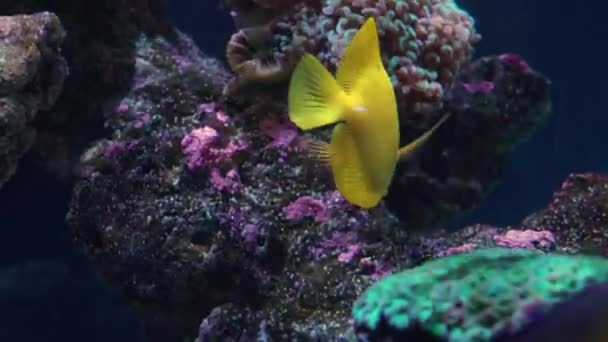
476 296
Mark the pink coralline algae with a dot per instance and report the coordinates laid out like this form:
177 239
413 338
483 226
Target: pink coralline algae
222 117
425 43
525 239
483 87
212 110
306 206
229 182
208 107
282 132
196 144
202 151
337 240
515 60
122 108
378 269
141 120
241 227
465 248
251 233
351 252
117 148
137 119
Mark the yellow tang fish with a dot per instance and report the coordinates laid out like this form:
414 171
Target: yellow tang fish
364 147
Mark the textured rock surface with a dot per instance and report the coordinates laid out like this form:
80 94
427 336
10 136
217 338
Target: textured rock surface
577 193
578 214
99 50
161 225
494 106
574 222
32 72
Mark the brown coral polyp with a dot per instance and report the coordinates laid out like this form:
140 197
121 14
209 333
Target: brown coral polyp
251 66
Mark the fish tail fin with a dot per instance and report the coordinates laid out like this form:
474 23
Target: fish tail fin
407 150
314 95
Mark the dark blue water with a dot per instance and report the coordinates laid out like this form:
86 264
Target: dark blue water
564 42
67 302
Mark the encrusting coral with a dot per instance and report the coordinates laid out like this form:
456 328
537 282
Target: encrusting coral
480 296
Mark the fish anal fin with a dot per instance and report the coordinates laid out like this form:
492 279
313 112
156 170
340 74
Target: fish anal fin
348 169
320 151
315 97
407 150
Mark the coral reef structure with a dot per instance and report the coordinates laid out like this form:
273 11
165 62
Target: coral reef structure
99 50
201 206
32 72
195 202
424 43
518 253
577 214
427 48
464 159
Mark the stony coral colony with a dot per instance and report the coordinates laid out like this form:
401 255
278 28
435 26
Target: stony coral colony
424 43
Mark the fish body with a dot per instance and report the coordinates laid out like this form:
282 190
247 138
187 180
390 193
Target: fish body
360 101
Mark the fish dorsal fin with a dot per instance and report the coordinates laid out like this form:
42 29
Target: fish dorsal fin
314 95
362 52
407 150
348 169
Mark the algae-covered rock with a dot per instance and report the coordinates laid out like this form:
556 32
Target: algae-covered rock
577 214
99 48
32 71
481 296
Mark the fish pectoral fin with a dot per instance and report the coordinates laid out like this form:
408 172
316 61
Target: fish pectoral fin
314 95
348 169
362 53
320 151
407 150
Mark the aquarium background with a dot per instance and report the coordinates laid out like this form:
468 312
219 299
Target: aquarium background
563 41
559 41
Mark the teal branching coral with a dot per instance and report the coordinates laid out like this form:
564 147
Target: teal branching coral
476 296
